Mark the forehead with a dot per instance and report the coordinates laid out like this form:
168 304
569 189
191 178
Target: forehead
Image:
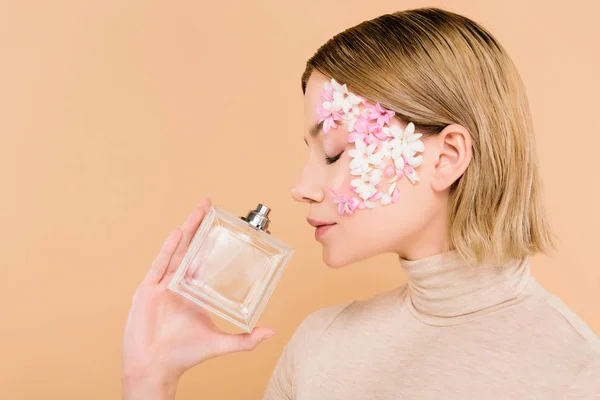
312 97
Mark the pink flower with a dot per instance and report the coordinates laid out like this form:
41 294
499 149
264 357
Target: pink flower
361 125
329 117
377 112
368 139
346 204
368 132
377 131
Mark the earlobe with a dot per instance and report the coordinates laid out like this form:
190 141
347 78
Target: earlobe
454 156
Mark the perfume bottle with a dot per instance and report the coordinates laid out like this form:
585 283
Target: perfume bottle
232 265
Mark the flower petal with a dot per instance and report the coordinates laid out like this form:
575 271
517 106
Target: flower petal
376 196
396 131
353 137
357 182
399 163
414 137
356 163
415 161
390 170
392 188
376 176
395 195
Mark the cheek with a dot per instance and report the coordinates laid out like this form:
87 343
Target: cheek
340 176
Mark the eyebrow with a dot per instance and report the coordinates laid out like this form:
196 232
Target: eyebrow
315 129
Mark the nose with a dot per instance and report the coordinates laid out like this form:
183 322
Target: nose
308 189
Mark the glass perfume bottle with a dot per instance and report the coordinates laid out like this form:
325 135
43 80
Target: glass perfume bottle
232 265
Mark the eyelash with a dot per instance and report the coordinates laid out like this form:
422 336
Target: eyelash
331 160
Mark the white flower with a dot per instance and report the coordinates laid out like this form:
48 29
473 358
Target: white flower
386 130
412 161
386 148
365 191
405 142
350 120
388 197
369 204
342 99
339 88
408 167
351 104
366 184
363 156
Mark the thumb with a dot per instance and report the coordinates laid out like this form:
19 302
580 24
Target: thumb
229 343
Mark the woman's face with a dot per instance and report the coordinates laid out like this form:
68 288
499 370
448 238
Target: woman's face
396 227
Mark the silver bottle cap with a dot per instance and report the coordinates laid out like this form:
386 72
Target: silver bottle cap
258 218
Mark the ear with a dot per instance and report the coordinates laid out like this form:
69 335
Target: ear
455 153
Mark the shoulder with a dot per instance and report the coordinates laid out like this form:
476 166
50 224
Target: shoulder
324 319
341 316
565 321
317 322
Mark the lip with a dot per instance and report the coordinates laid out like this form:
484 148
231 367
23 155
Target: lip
316 223
321 227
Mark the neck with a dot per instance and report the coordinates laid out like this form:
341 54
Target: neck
443 289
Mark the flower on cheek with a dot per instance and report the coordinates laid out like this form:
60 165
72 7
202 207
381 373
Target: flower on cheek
346 204
366 185
391 196
369 132
405 141
377 112
404 167
363 156
383 152
337 98
329 117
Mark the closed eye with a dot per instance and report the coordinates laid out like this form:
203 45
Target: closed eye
331 160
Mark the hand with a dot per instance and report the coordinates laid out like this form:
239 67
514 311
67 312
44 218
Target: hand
167 334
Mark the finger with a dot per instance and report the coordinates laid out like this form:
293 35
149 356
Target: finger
189 228
229 343
160 263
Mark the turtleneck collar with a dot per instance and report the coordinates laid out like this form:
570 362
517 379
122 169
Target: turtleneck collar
445 290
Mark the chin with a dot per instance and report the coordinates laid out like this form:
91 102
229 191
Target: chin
331 259
336 259
339 256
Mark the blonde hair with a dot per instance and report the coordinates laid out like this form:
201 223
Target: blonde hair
434 68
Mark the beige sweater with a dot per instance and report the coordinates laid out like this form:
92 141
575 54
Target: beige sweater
452 332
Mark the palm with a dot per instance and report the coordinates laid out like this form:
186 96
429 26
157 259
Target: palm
185 330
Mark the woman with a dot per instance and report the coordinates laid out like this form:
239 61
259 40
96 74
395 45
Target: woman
420 143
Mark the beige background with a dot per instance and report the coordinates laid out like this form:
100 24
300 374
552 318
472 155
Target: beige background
116 117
